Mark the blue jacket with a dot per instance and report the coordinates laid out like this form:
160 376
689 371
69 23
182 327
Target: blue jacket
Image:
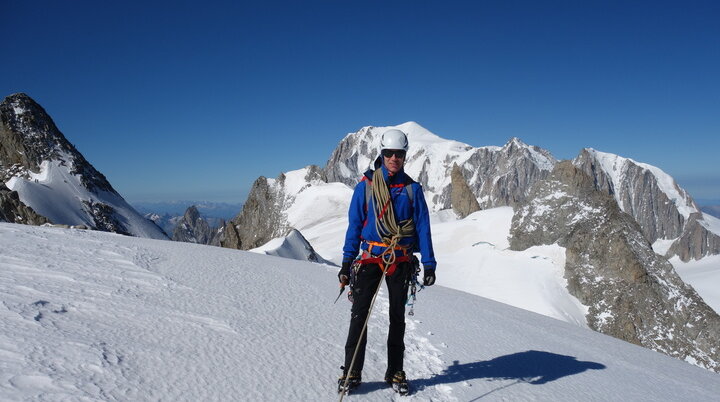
361 224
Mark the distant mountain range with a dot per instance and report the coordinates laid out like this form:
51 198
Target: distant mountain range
191 216
207 209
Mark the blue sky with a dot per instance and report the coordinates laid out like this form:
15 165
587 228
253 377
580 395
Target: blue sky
190 100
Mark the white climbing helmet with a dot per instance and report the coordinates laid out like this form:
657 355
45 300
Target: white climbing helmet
394 139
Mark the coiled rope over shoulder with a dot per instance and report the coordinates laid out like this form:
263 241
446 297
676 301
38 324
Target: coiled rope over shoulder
390 231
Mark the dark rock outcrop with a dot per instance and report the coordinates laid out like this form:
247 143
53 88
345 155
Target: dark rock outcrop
28 136
662 208
263 216
463 200
633 293
696 241
192 228
14 211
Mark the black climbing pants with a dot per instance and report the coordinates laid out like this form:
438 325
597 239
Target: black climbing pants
366 282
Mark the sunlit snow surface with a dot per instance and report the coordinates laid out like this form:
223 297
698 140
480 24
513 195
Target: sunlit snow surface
96 316
58 194
472 253
703 275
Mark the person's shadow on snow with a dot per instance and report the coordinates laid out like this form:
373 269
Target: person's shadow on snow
532 367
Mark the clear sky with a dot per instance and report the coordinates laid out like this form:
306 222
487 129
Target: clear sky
195 100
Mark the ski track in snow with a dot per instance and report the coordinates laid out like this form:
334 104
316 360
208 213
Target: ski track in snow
96 316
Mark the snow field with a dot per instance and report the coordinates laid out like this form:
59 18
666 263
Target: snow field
57 194
703 275
96 316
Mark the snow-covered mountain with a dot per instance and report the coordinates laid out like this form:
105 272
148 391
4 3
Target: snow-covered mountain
54 179
99 316
663 209
498 176
275 206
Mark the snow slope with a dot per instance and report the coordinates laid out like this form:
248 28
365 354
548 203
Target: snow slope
472 253
703 275
89 315
474 257
60 196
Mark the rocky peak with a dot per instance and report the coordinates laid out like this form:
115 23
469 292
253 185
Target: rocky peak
191 214
193 228
264 214
647 193
463 200
28 136
652 197
52 178
497 175
696 240
632 293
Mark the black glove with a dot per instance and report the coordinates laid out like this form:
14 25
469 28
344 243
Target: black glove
344 274
429 278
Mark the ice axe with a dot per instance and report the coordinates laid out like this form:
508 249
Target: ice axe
342 289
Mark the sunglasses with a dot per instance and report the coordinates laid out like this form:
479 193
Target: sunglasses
388 153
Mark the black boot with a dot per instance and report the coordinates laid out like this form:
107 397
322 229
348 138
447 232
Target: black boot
353 380
389 373
399 382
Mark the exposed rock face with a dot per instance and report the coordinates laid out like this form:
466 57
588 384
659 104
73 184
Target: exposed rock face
499 176
503 176
639 193
218 235
28 136
661 207
54 179
632 293
192 228
462 198
263 216
696 240
14 211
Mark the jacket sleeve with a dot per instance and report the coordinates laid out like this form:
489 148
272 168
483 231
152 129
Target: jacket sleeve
421 216
356 219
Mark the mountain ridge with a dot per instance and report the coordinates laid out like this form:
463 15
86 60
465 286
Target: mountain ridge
54 179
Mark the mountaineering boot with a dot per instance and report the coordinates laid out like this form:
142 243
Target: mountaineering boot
399 382
353 380
389 373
